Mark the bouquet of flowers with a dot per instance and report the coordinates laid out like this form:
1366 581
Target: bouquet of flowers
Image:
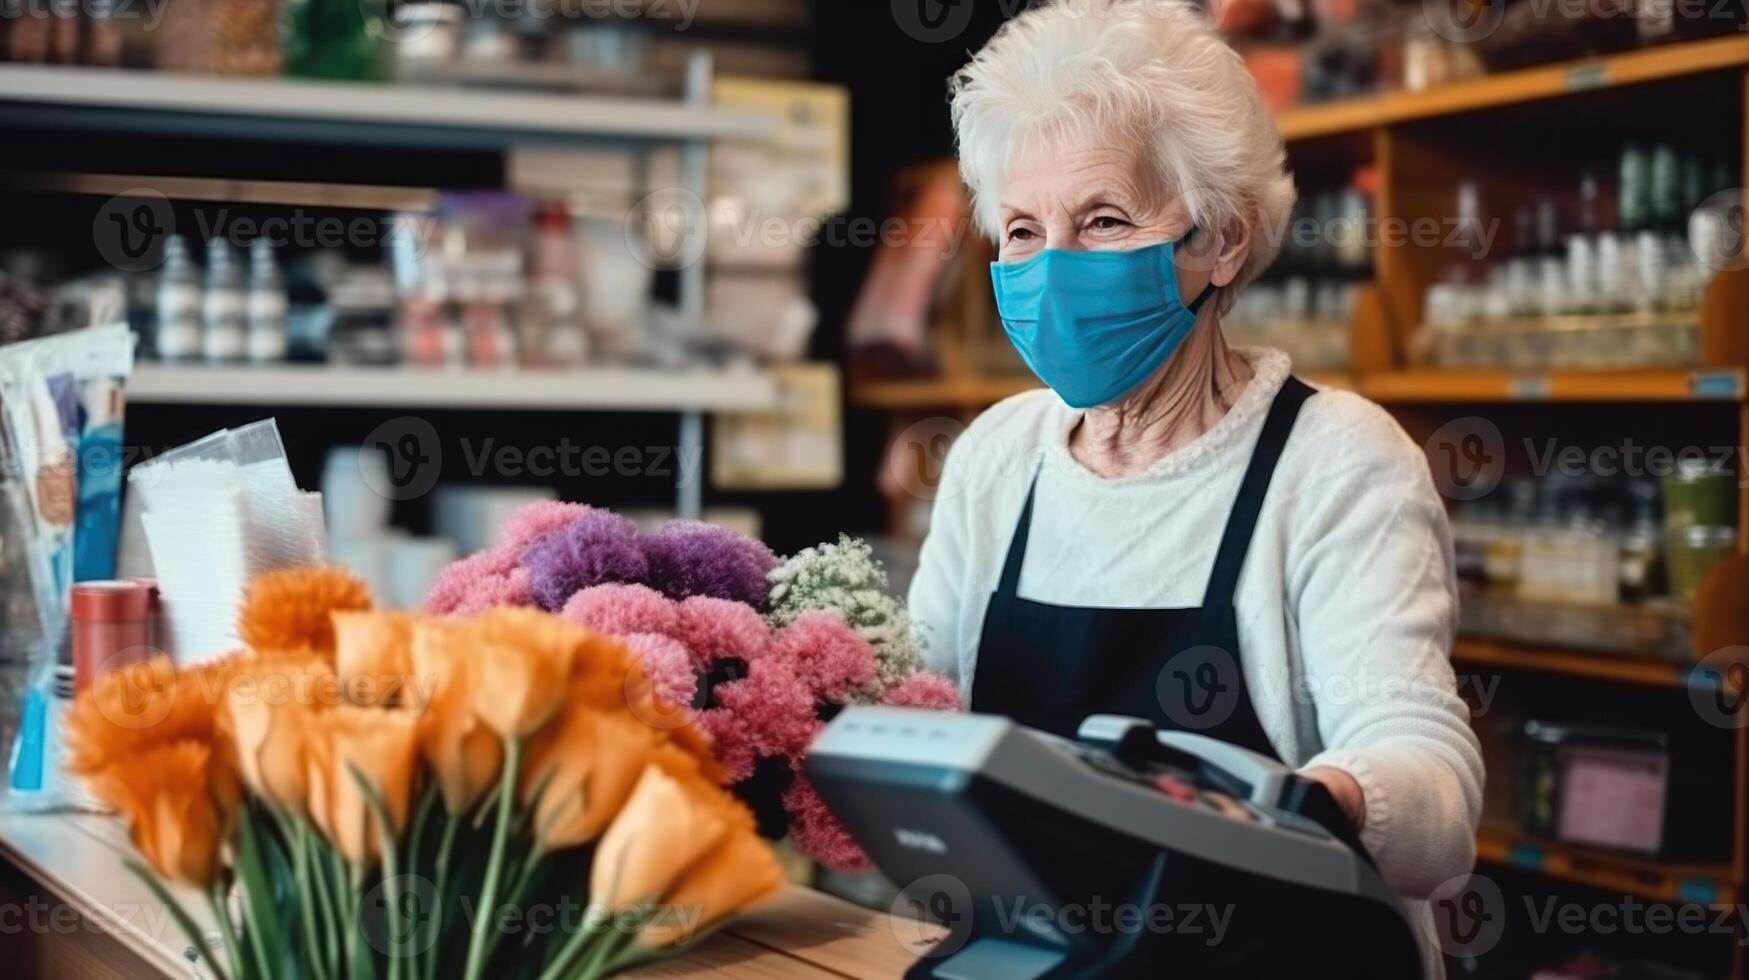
366 794
757 653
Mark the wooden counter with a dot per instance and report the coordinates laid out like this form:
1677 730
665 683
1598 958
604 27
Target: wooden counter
69 910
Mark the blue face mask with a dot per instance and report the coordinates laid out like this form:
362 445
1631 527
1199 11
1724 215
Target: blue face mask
1093 325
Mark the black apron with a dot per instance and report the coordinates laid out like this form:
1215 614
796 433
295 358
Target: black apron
1049 666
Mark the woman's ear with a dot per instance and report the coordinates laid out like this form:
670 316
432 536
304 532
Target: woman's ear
1235 248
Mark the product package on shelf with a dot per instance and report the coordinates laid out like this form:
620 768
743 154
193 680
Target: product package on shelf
217 512
60 457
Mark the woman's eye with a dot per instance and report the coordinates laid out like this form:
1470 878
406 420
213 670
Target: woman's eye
1107 222
1020 234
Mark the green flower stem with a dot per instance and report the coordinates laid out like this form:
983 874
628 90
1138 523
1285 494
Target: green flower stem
215 898
415 846
445 850
260 928
307 897
478 945
558 967
321 871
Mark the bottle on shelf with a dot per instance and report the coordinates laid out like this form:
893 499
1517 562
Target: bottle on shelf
223 336
266 308
178 333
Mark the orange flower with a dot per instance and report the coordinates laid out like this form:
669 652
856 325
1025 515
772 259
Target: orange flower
173 818
519 667
584 765
661 831
269 734
373 656
740 873
143 706
382 746
464 755
290 609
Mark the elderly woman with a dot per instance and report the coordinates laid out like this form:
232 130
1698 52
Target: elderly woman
1178 529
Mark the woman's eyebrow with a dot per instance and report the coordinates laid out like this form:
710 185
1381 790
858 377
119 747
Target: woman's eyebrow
1009 213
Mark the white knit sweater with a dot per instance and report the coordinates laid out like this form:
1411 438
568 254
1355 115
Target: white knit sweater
1346 604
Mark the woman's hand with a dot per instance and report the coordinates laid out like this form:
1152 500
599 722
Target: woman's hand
1346 791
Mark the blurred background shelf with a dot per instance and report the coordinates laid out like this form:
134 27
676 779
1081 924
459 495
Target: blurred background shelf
1513 88
1470 652
1644 877
591 389
1723 384
163 103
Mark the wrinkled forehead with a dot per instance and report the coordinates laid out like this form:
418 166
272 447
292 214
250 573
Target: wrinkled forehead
1071 170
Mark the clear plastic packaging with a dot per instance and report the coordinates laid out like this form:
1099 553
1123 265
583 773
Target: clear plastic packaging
60 436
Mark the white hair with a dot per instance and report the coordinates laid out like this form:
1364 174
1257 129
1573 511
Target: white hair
1150 70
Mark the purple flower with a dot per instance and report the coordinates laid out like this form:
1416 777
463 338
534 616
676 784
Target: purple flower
597 547
692 558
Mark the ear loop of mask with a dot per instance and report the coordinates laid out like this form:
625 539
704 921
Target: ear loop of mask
1208 290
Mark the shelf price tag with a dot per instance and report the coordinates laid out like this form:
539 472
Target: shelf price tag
1583 77
1530 387
1526 856
1715 384
1700 892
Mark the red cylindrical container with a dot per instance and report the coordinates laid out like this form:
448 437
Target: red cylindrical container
112 628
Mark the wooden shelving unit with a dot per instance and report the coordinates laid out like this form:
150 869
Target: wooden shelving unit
1644 877
1471 653
1514 88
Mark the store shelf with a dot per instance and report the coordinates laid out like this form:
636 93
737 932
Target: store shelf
1506 88
973 393
592 389
292 109
1645 877
921 394
226 190
1431 386
1573 663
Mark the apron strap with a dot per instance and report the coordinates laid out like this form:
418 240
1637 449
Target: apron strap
1236 539
1010 581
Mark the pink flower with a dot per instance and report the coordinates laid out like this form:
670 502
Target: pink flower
619 610
669 665
829 656
924 690
537 520
718 629
769 712
816 832
478 582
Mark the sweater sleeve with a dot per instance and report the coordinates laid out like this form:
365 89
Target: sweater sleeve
938 586
1374 599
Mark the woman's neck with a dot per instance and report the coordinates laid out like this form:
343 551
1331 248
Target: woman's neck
1175 405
